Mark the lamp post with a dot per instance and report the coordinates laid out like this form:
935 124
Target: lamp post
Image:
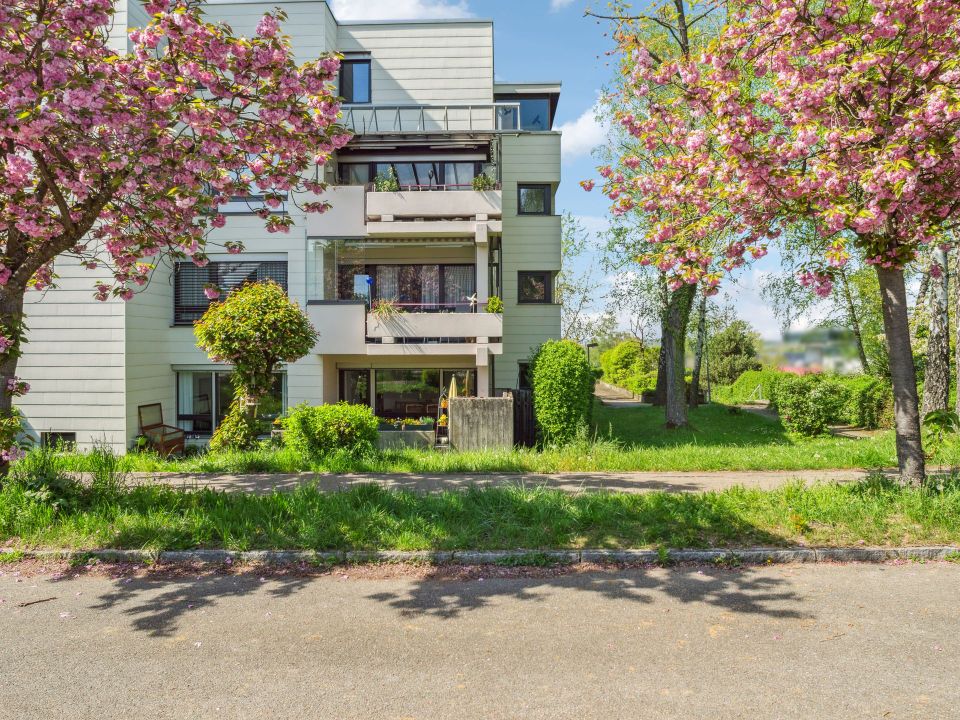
590 345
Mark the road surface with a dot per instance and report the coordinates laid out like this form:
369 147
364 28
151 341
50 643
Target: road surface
824 641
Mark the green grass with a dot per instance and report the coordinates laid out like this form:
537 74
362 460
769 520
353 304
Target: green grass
626 439
877 512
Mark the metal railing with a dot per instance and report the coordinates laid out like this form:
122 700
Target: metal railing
387 119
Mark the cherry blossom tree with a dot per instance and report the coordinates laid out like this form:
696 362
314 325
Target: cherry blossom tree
120 159
660 51
845 113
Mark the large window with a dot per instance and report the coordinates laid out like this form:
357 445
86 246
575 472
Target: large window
416 392
415 288
535 286
189 299
204 397
536 112
355 81
533 200
414 175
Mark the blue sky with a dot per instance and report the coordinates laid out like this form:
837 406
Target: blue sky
536 40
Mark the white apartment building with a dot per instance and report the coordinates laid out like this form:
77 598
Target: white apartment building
423 103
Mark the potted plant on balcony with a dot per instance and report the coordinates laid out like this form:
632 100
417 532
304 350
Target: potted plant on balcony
494 305
484 182
385 309
386 181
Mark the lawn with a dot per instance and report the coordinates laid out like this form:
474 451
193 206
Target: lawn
875 512
626 439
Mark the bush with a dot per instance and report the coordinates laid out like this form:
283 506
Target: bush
744 390
562 390
733 351
630 365
318 431
870 403
41 474
808 403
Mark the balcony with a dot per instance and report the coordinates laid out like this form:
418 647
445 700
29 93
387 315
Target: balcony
427 119
346 328
357 213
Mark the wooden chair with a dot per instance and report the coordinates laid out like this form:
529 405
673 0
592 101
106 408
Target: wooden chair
165 439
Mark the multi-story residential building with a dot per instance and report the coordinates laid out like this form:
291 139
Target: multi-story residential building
427 114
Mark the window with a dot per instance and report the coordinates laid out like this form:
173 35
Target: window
523 376
536 112
189 300
58 440
355 81
533 200
415 392
535 286
416 288
204 397
419 175
355 386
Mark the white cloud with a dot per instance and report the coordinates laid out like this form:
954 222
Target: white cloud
556 5
399 9
582 135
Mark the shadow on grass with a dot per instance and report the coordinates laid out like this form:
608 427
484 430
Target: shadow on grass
743 591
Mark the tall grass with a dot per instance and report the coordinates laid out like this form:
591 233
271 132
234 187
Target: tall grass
370 517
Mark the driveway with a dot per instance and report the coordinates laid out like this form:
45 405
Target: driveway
825 641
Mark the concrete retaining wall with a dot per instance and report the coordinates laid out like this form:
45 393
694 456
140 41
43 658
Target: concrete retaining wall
481 423
399 439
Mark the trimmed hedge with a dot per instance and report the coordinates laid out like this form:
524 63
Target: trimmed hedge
562 383
321 430
630 365
744 389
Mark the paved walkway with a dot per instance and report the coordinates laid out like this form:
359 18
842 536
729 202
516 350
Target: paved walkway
614 396
832 642
628 482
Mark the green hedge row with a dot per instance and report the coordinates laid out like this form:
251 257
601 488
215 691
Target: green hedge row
630 365
807 404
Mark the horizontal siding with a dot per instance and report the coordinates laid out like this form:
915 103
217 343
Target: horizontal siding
423 64
306 23
74 359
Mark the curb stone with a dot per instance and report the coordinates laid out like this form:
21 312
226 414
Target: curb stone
734 556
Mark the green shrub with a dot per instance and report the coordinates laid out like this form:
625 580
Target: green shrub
41 474
745 389
494 305
808 403
318 431
630 365
870 403
562 390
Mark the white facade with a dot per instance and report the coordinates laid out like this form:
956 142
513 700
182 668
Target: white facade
426 106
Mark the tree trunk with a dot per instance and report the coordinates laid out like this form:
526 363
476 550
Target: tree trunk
660 391
675 342
906 411
11 324
698 353
936 379
854 321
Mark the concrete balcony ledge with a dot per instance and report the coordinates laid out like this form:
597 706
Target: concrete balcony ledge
435 325
434 204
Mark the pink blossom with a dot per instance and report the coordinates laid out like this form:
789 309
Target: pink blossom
211 291
587 185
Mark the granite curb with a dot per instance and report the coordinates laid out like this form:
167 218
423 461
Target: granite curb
519 557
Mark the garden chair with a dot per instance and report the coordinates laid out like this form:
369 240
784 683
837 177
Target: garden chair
165 439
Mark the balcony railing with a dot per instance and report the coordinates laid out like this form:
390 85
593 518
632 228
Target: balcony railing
419 119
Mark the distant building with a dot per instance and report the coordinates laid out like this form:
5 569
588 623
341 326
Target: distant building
822 349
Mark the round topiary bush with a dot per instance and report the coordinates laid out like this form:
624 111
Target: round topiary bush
318 431
562 383
807 404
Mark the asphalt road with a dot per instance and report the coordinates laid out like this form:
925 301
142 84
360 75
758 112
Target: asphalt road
825 641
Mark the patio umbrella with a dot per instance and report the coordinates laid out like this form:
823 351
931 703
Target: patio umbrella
453 388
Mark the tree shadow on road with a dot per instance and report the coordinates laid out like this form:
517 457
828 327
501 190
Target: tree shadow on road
157 600
741 590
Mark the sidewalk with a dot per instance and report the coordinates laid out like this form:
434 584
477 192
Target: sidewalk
626 482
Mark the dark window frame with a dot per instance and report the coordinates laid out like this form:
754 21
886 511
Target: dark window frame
441 163
371 271
547 276
353 63
213 272
217 375
67 439
523 375
547 198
